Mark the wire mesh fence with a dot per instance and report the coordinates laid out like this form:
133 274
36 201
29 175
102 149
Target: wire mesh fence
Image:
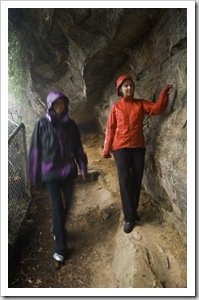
19 196
11 127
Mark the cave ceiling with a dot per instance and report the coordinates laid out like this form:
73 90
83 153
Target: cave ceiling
86 46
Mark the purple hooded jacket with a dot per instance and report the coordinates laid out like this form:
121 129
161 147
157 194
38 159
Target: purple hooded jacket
55 148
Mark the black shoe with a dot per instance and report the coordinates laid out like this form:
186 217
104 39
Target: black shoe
137 217
128 226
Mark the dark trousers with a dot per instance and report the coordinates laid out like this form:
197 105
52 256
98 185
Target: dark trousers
130 167
60 206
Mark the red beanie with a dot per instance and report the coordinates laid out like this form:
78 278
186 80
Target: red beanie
120 80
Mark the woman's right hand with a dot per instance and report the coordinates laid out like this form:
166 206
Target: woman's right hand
107 155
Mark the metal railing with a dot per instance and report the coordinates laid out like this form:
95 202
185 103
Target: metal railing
19 196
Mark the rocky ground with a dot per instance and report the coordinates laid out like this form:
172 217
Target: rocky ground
99 252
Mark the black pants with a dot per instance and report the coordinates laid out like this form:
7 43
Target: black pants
60 207
130 167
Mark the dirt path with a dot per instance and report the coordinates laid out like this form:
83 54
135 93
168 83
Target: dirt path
91 227
89 242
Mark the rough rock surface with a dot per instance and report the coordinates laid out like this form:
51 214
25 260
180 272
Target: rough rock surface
156 60
83 51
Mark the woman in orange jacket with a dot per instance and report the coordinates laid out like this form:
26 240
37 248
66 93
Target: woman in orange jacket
124 136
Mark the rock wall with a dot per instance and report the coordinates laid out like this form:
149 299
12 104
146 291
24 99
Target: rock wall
83 51
76 50
161 58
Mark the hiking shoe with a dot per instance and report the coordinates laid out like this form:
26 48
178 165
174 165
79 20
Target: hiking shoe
128 226
58 257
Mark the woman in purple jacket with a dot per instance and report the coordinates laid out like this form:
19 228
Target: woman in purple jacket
55 151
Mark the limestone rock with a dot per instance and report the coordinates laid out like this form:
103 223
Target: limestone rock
140 262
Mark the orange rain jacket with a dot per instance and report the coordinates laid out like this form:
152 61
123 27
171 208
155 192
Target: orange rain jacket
125 124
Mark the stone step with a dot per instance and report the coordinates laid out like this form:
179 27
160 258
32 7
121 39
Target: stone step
92 175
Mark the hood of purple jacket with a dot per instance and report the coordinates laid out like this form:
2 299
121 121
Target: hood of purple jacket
51 98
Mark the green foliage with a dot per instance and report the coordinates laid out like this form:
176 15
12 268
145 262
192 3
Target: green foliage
16 65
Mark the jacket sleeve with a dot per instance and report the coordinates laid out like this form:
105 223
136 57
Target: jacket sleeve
34 157
80 155
110 131
158 107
